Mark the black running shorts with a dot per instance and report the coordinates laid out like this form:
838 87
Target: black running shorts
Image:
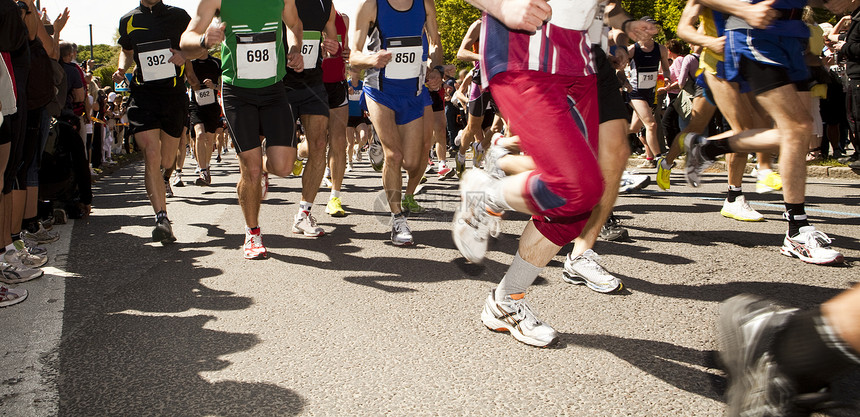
337 94
209 116
165 111
610 101
308 100
251 112
478 106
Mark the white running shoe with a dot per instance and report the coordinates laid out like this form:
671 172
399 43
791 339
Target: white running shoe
740 210
810 246
459 138
11 296
515 316
23 257
401 235
375 153
491 159
307 225
696 161
585 269
630 182
14 274
474 223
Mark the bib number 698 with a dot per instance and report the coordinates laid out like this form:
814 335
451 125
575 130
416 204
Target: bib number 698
257 55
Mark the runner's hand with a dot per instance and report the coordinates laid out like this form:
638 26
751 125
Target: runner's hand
331 46
760 15
209 84
118 76
717 45
295 61
178 58
345 53
640 30
381 58
525 15
215 34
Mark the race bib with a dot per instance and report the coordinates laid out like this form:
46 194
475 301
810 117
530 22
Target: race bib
356 96
154 60
573 14
205 96
406 58
647 80
311 40
256 56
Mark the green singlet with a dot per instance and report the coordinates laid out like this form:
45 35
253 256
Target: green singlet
252 54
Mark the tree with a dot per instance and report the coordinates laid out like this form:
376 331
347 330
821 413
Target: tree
454 17
102 54
665 12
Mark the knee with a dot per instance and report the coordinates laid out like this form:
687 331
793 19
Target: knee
394 158
252 173
650 125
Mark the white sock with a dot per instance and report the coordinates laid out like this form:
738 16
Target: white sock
518 279
763 173
305 207
665 164
334 194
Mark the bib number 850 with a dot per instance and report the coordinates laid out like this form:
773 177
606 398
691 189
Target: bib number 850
405 58
257 55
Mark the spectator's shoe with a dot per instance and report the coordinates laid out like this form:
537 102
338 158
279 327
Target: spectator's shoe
612 230
811 246
204 178
491 160
740 210
401 234
854 165
306 224
630 182
769 183
409 205
254 248
474 221
24 258
513 314
163 232
41 236
585 270
168 192
334 208
177 179
375 153
758 386
60 216
15 274
696 162
298 167
48 223
663 174
34 248
264 185
11 296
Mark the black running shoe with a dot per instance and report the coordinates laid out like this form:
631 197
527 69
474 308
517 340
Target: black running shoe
612 230
163 232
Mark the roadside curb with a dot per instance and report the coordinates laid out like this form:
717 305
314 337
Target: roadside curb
812 171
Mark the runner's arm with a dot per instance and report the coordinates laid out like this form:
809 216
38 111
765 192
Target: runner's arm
618 18
527 15
330 44
664 63
193 81
432 28
465 52
199 37
360 27
295 28
126 59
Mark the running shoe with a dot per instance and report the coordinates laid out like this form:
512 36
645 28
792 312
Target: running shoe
306 224
459 138
168 192
586 270
48 223
177 179
218 159
204 179
264 185
11 296
474 222
630 182
60 216
612 230
663 174
696 161
34 248
740 210
513 314
335 208
163 232
811 246
326 182
446 172
758 386
16 274
298 167
477 154
647 163
375 153
769 183
491 160
401 234
411 206
460 165
41 236
22 257
254 248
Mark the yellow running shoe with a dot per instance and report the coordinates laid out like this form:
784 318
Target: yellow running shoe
770 183
298 167
410 205
663 174
335 208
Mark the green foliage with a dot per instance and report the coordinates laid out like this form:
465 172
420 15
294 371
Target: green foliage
105 75
454 17
103 54
665 12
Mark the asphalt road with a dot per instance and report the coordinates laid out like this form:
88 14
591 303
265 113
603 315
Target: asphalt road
348 324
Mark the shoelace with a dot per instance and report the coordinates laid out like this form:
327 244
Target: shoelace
526 312
256 241
400 226
612 221
820 239
591 260
312 221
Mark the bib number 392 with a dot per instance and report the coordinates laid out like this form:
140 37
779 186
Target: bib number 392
155 61
256 57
